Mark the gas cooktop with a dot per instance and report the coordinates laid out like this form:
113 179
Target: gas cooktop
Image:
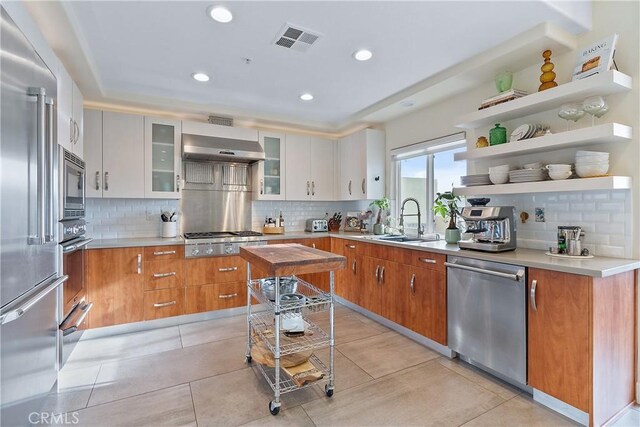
212 243
218 234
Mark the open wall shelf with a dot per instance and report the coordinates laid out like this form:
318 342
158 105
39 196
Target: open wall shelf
579 184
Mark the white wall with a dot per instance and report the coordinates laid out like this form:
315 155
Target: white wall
439 120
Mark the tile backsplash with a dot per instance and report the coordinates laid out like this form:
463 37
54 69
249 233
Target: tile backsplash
125 218
605 217
296 213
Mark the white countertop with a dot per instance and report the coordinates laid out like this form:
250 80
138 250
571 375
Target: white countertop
595 267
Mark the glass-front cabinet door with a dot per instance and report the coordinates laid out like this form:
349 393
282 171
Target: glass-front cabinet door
269 179
162 158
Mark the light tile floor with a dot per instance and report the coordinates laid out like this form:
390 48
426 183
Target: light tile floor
195 374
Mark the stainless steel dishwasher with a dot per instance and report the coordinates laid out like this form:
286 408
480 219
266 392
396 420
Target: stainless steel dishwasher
486 315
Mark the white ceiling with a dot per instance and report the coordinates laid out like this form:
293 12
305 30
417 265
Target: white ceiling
144 52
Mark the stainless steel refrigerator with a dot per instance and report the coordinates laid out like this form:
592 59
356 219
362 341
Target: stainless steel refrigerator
29 277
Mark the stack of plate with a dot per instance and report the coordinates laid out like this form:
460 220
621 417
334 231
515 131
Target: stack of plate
471 180
527 131
591 163
527 175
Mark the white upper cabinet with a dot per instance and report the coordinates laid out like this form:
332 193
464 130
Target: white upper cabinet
362 164
162 158
310 168
93 151
269 175
77 117
70 126
114 145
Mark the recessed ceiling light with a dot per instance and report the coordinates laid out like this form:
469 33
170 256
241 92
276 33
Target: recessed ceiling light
306 97
220 14
362 55
408 103
201 77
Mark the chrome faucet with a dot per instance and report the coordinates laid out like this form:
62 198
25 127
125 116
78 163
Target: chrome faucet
402 215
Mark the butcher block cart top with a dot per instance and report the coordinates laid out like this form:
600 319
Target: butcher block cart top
291 258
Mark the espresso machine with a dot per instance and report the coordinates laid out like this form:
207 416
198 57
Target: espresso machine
493 228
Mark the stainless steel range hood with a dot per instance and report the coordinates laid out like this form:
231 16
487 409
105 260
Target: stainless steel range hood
204 141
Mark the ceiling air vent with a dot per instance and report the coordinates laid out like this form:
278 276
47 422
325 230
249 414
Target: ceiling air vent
295 38
222 121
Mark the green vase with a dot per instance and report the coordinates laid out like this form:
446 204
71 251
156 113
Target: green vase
497 135
504 81
452 235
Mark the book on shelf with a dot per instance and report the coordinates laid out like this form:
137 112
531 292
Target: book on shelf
503 97
595 58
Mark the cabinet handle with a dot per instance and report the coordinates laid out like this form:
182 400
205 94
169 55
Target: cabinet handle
427 260
382 274
227 296
412 284
178 183
313 188
377 273
532 295
261 186
164 304
106 181
97 180
77 132
354 266
72 131
351 246
308 188
164 253
227 269
349 187
139 263
363 182
173 273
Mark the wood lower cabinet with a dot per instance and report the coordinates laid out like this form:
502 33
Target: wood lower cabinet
581 342
349 282
115 282
427 297
163 303
220 269
162 274
215 296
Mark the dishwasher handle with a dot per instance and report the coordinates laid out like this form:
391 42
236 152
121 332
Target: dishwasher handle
515 277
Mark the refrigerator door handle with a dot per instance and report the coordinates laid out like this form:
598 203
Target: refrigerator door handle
17 312
51 207
39 238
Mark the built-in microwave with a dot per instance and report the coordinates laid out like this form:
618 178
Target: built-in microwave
73 186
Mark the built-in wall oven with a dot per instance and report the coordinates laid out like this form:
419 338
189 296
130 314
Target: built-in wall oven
73 186
75 306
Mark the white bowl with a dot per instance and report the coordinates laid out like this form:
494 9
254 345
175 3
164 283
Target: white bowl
556 175
499 177
499 169
583 153
589 170
558 167
591 160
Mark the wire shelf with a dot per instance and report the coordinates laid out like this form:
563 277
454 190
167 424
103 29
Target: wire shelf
316 299
286 382
263 324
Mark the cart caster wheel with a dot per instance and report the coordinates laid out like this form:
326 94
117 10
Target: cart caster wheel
248 358
274 409
328 391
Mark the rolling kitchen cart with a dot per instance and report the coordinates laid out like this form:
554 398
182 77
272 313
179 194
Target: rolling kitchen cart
264 327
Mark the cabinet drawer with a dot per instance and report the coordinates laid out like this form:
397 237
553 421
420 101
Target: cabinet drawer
216 297
223 269
163 274
163 252
163 303
429 260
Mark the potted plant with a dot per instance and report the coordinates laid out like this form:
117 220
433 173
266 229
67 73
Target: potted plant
382 205
446 205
